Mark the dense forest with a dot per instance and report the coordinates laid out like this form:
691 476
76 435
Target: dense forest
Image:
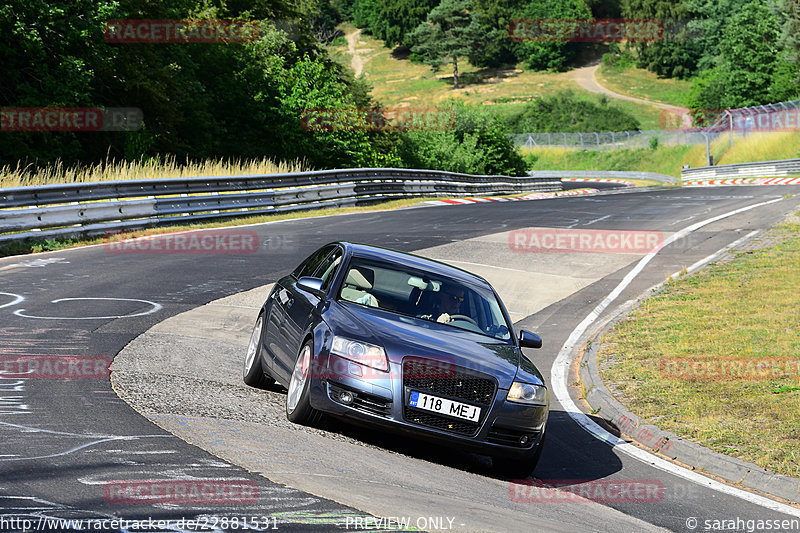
247 99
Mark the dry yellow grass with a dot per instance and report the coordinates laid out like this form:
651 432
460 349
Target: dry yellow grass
169 167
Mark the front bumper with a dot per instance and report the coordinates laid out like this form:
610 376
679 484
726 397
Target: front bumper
507 429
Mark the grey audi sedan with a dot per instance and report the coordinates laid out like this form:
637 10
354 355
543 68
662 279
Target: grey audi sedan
408 344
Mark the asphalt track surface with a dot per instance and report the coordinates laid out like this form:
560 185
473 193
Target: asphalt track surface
64 441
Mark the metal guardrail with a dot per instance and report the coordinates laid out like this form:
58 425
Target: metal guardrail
61 210
609 174
761 169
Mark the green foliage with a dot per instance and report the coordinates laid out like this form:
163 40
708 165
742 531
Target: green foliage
494 17
790 32
618 59
750 70
396 19
566 112
542 55
240 100
477 144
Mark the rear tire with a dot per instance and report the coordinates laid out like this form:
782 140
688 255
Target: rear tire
520 467
298 406
253 372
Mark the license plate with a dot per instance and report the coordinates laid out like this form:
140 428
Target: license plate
444 406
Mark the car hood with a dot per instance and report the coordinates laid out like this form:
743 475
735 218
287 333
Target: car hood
403 336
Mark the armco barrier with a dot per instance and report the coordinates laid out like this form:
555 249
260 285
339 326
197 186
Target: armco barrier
761 169
60 210
605 174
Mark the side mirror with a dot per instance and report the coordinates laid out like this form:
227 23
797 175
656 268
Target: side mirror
312 285
529 340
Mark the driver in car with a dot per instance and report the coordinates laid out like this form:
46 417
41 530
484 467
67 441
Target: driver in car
447 304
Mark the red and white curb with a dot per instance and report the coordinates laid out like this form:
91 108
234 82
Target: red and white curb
532 196
743 181
602 180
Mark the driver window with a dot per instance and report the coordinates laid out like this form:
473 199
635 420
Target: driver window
327 269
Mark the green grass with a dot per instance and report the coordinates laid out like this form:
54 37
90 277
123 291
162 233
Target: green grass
399 82
748 310
641 83
663 160
669 159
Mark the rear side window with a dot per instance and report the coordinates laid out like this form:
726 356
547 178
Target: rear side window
310 265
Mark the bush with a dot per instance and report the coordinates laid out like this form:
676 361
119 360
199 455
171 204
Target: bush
477 144
566 112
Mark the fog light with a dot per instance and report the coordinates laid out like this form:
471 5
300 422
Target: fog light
523 440
346 397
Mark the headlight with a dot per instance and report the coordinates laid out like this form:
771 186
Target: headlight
527 393
360 352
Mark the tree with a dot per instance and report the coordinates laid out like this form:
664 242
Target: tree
554 55
396 19
450 32
790 37
751 70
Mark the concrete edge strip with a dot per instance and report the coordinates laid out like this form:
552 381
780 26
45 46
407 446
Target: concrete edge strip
569 352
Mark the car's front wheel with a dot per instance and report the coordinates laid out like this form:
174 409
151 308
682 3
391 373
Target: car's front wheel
298 406
253 371
521 467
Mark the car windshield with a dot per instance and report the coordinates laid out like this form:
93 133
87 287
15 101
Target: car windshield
426 295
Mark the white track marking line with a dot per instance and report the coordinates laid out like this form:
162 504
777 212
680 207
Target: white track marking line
155 307
17 299
560 370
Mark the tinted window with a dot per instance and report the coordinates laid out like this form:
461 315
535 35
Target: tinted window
310 265
327 269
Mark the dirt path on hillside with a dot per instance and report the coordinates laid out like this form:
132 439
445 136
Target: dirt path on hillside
356 62
586 77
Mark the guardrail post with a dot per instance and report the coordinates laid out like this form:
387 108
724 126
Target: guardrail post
565 141
581 136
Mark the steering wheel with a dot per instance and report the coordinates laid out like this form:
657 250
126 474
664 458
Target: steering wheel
464 317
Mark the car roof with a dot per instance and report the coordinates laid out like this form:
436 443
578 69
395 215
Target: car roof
367 251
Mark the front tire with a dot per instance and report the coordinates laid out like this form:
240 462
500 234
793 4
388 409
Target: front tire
298 406
253 372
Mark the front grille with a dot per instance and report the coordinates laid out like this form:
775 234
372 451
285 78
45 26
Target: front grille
510 437
361 401
449 381
424 418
